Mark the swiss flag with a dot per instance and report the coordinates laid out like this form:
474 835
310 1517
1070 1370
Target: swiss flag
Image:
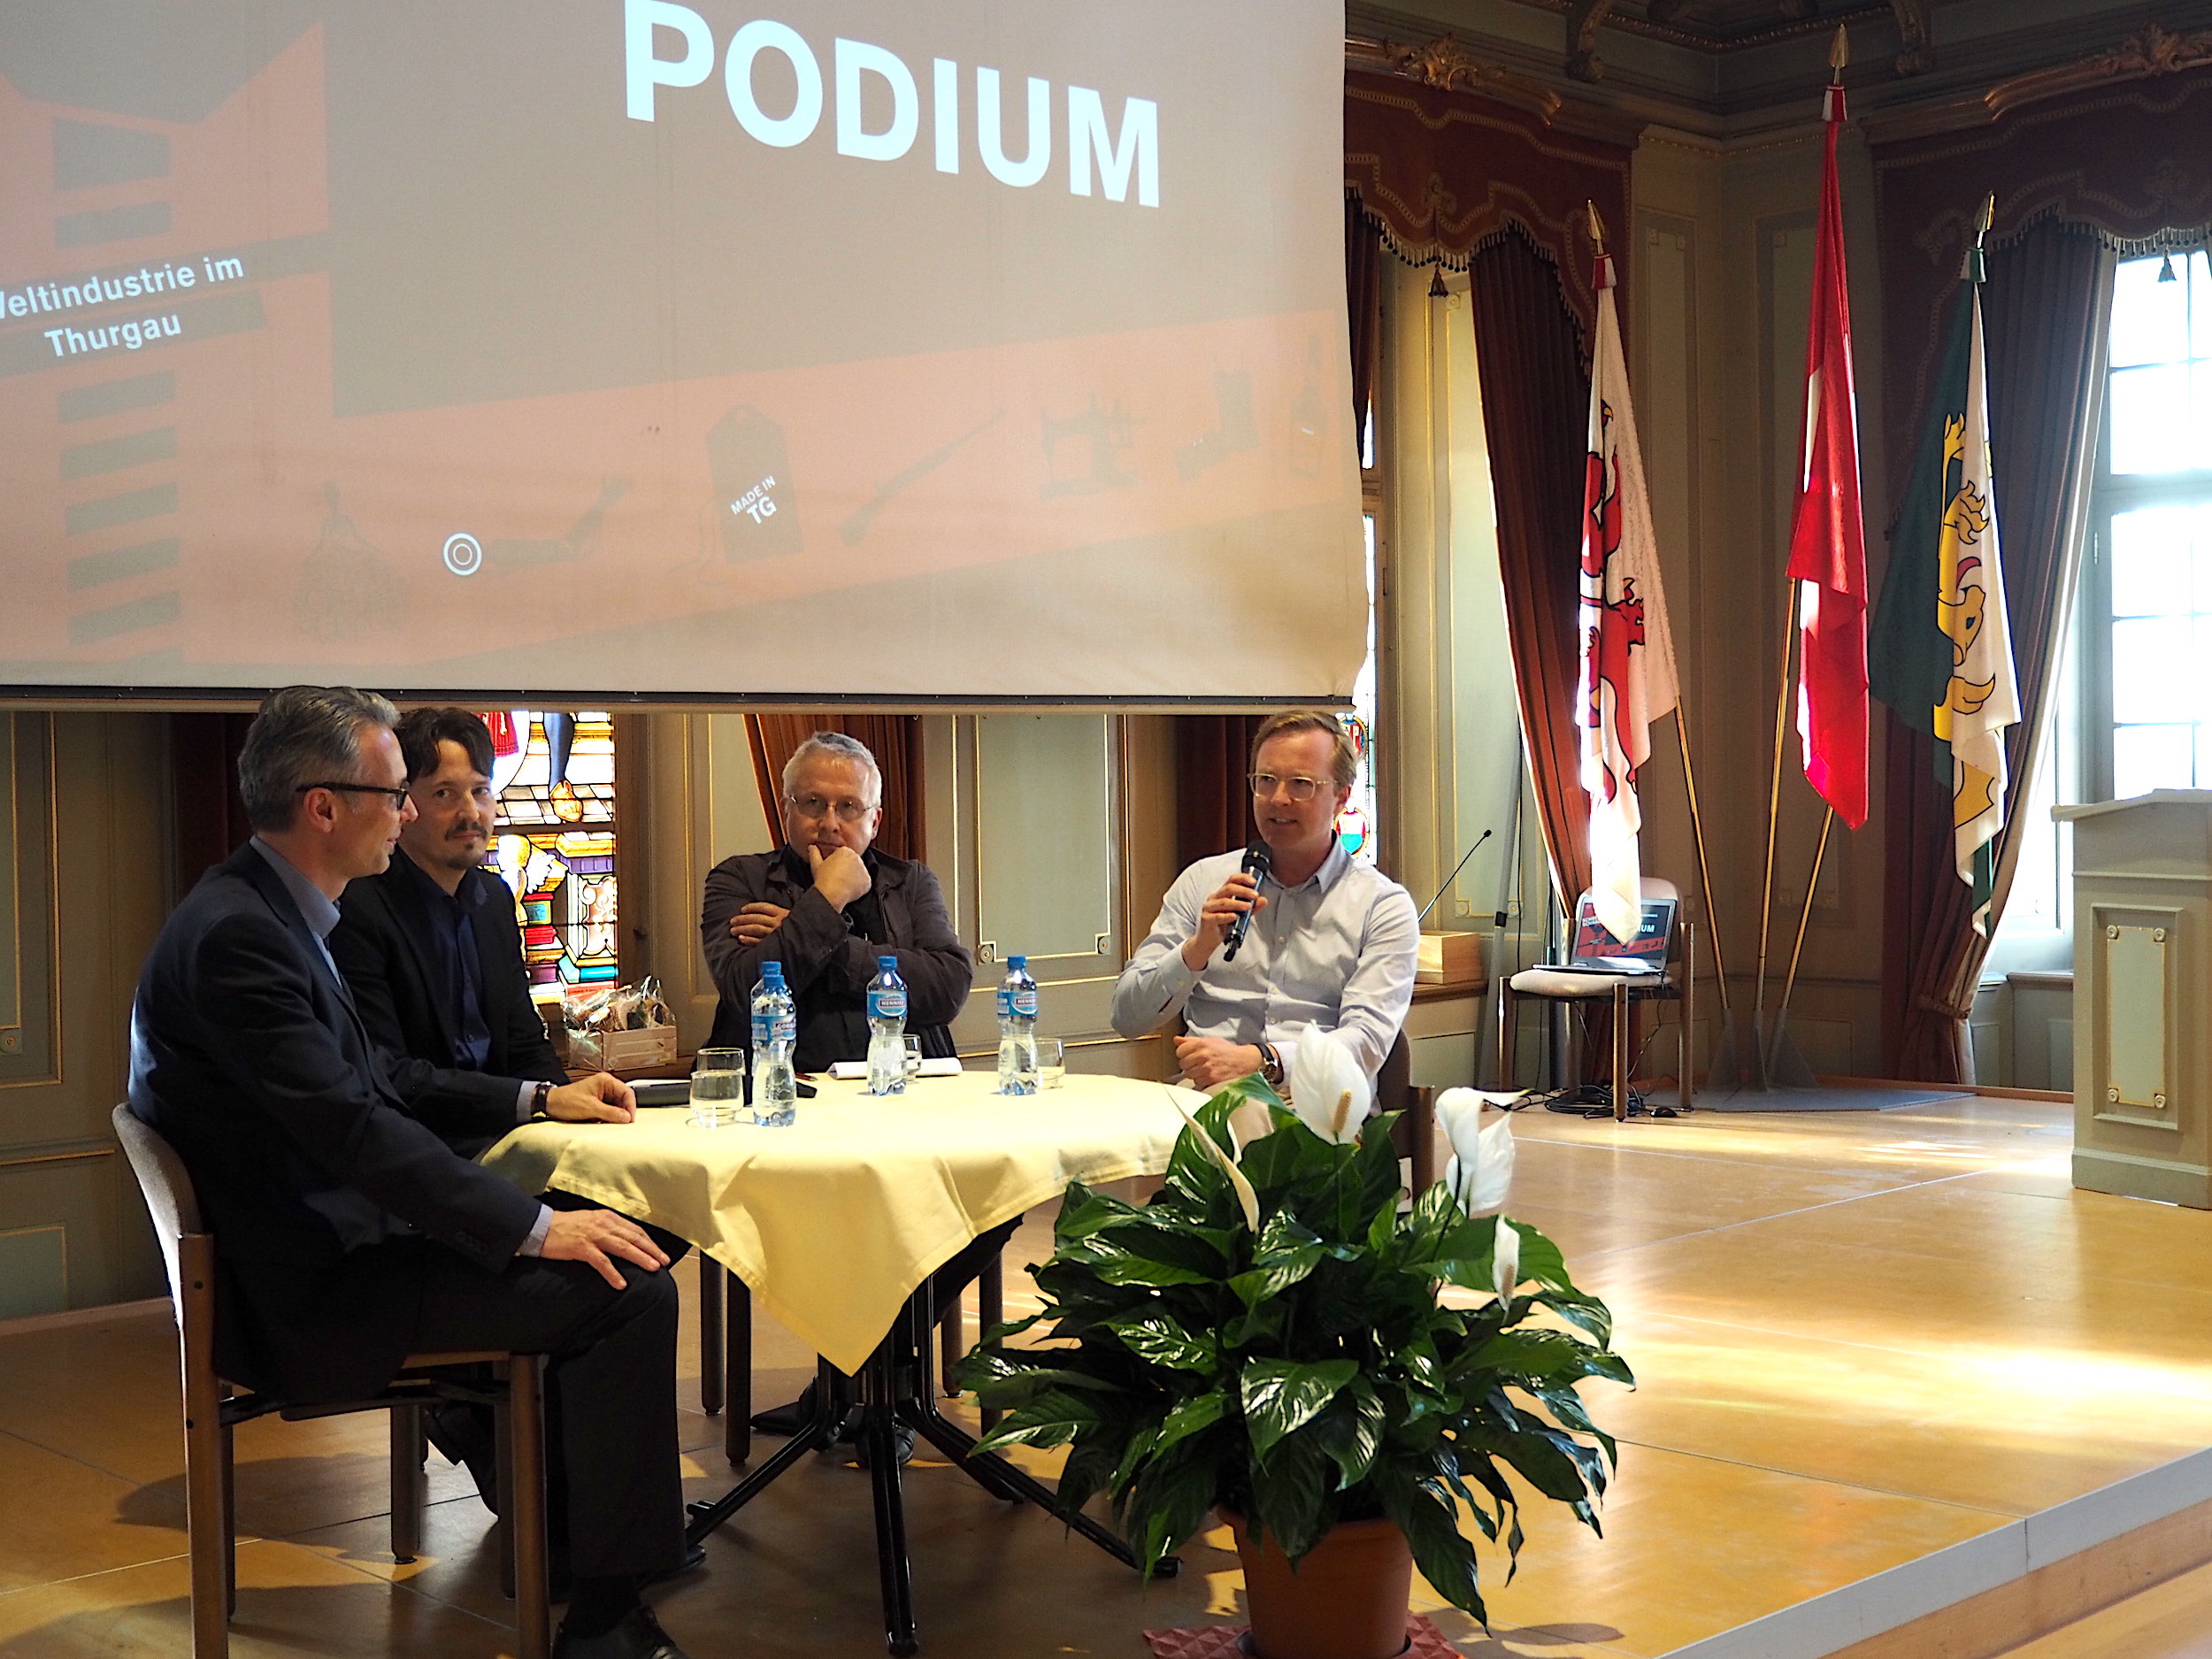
1827 542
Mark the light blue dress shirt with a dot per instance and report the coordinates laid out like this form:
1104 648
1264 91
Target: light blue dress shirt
1332 957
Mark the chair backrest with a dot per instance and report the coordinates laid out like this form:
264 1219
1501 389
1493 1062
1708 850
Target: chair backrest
167 1189
1395 1081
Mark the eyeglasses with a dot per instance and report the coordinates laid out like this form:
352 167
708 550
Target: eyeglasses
395 793
1266 783
814 806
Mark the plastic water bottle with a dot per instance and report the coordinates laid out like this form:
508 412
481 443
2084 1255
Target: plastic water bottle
775 1034
886 1029
1018 1029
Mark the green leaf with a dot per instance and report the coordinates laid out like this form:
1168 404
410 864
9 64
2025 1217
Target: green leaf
1290 1496
1168 1502
1444 1554
1350 1431
1158 1337
1118 1265
1201 1411
1280 1396
1053 1420
1272 1275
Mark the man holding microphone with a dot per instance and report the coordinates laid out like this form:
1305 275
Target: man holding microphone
1328 954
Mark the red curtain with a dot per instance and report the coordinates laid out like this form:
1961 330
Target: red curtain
1528 353
1213 801
1443 172
203 778
894 740
2043 310
1362 299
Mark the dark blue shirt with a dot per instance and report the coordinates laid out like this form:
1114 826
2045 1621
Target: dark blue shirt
458 965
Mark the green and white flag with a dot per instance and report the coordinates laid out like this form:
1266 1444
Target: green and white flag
1941 655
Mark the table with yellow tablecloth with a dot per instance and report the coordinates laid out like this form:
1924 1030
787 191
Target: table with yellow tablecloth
834 1221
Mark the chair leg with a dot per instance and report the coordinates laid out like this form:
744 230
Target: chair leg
207 1516
711 1295
503 1483
1509 1028
990 1309
1620 1052
737 1365
230 1523
523 1476
408 1485
1684 1088
951 1329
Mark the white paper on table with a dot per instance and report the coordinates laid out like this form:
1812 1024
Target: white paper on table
857 1071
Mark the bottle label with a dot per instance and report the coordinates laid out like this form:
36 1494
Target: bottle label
763 1031
784 1029
887 1003
1005 1001
1025 1002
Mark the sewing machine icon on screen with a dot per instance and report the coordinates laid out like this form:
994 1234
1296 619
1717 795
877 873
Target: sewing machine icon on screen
1107 431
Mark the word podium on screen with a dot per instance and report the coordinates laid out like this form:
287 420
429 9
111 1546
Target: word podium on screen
982 351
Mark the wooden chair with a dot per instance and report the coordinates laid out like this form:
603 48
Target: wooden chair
1414 1134
214 1407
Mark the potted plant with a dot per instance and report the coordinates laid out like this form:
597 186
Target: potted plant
1265 1337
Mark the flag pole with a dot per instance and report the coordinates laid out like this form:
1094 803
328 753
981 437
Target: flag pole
1774 816
1789 983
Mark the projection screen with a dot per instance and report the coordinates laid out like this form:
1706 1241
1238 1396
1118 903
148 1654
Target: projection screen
972 350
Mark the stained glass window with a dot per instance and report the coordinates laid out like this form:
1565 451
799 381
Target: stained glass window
555 844
1355 825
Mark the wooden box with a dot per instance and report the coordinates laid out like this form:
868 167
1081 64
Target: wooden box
619 1050
1449 959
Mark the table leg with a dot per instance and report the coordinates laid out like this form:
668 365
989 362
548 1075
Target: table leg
737 1366
820 1431
879 1437
990 1302
709 1334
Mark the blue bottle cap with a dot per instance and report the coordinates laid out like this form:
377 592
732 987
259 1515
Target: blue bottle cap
1017 963
772 971
889 965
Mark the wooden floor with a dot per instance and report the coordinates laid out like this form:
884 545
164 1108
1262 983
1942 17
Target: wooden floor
1861 1337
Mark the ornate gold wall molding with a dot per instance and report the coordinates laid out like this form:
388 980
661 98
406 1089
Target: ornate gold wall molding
1443 61
2157 50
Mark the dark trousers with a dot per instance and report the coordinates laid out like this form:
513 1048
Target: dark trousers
615 1496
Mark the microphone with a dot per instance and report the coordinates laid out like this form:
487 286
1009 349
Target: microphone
1257 861
1456 867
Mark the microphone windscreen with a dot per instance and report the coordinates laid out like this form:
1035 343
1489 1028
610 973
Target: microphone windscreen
1259 858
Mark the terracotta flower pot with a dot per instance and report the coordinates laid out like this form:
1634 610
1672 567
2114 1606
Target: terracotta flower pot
1346 1599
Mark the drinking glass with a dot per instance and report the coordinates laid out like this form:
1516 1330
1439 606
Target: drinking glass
718 1089
1052 1063
913 1052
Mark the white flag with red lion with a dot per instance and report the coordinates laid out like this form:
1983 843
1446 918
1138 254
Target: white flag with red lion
1628 678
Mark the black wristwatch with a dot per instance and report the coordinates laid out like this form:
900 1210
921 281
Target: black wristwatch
1270 1065
539 1097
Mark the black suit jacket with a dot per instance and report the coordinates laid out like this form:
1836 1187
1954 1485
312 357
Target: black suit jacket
825 962
389 956
310 1150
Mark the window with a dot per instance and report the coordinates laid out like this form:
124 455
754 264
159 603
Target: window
1356 827
555 842
2150 579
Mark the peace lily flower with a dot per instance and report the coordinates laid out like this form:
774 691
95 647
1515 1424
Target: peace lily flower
1328 1091
1481 1169
1248 1201
1505 1263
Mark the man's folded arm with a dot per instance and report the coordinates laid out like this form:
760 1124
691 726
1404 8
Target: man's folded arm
257 1004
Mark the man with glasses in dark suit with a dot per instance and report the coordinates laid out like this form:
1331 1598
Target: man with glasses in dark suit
349 1231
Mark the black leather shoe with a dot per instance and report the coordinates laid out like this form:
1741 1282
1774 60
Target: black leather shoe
560 1581
786 1420
463 1434
639 1636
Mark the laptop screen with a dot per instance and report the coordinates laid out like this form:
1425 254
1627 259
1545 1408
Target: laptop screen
1595 947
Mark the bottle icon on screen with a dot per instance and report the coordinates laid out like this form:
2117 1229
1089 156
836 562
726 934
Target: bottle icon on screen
756 505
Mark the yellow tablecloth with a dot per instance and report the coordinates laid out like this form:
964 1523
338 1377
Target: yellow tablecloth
834 1221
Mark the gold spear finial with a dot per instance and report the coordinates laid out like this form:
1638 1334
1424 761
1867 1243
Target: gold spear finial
1597 225
1988 217
1839 52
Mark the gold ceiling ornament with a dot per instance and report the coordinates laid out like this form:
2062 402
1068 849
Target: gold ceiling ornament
1446 64
2156 51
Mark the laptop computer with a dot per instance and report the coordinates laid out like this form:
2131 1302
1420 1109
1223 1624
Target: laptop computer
1595 951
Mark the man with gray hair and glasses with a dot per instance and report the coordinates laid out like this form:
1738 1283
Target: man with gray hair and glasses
826 904
349 1233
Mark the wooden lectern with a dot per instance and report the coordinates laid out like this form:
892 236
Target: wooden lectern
2142 982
